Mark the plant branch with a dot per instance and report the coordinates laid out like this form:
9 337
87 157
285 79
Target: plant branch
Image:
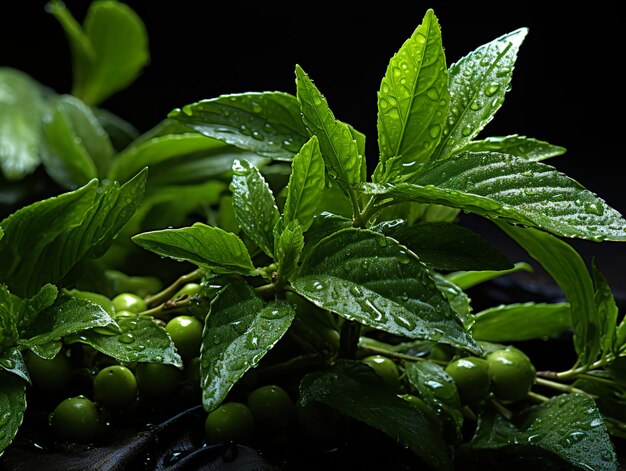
171 290
566 388
166 309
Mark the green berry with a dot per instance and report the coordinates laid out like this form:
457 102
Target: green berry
512 374
471 376
156 380
50 376
129 302
272 407
76 419
386 368
189 289
230 422
115 387
186 333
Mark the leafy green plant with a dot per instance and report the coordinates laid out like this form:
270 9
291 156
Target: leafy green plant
256 220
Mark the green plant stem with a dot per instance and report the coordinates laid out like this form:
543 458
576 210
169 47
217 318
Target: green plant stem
166 294
370 210
165 310
566 388
398 355
502 410
539 398
266 291
349 339
577 371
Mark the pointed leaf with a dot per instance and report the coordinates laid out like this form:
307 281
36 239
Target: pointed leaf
355 390
267 123
468 279
413 98
69 316
239 330
288 250
478 83
12 407
519 146
13 362
606 307
522 322
568 427
22 108
568 269
306 183
204 246
369 278
254 205
530 193
140 339
339 149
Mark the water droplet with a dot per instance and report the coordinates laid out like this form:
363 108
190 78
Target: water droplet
434 130
317 101
318 286
252 341
594 208
382 241
383 104
356 291
7 363
397 72
467 130
158 359
475 106
272 314
139 347
332 173
432 93
239 326
239 169
420 38
403 257
257 136
405 323
188 110
492 89
126 337
256 108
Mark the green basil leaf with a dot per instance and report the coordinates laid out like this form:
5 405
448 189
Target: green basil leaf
104 63
79 224
8 329
121 133
267 123
606 308
413 100
519 146
339 149
438 390
469 279
355 390
502 186
568 427
69 316
289 246
28 308
22 108
47 351
205 246
78 148
568 269
140 339
522 322
254 205
147 153
450 246
306 183
459 301
239 330
12 361
478 83
12 407
369 278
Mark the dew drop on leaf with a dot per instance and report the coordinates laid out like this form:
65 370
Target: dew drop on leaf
492 89
126 337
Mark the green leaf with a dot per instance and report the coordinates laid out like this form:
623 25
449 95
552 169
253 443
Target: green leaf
369 278
568 427
606 308
121 133
239 330
49 350
22 109
568 269
141 339
204 246
519 146
438 390
524 192
69 316
158 149
8 329
289 246
13 362
522 322
267 123
413 100
477 84
355 390
306 183
108 52
28 308
254 205
459 301
78 148
450 246
469 279
12 407
339 148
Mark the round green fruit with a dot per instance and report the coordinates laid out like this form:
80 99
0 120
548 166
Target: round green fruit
50 376
386 368
129 302
230 422
512 373
272 408
189 289
115 387
156 380
471 376
186 333
76 419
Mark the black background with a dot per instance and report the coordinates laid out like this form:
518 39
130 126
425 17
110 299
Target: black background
566 88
